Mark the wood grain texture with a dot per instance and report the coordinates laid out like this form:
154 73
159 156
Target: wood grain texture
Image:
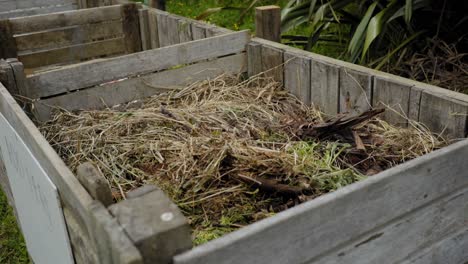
145 34
395 97
254 56
272 63
37 11
74 53
443 114
297 74
95 183
185 31
325 81
355 91
69 78
131 28
198 31
173 34
60 37
140 87
153 28
268 23
8 45
309 231
65 19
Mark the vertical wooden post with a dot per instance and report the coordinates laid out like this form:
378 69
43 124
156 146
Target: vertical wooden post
268 22
159 4
8 43
131 28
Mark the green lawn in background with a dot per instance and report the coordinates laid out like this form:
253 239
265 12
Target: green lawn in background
12 246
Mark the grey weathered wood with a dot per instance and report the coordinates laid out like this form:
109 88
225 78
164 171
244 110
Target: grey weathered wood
140 87
272 63
7 77
394 96
185 31
325 81
308 231
72 194
254 59
355 91
37 11
172 32
450 250
163 30
153 28
8 44
131 28
65 19
95 183
443 114
60 37
74 53
297 72
145 34
408 234
414 104
155 224
198 31
70 78
19 78
5 183
268 22
25 4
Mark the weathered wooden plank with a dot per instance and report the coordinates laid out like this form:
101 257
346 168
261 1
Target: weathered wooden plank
8 47
254 57
155 224
268 22
74 53
185 31
70 78
153 28
73 35
19 78
198 31
272 63
308 231
355 91
65 19
7 77
443 114
140 87
27 4
406 235
394 96
325 81
163 29
297 74
131 28
414 104
37 11
450 250
95 183
172 33
145 34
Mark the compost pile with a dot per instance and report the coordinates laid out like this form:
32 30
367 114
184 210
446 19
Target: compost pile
230 152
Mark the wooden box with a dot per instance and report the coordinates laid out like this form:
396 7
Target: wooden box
416 212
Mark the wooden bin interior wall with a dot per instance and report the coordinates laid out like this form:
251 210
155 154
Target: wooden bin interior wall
95 235
21 8
412 213
75 36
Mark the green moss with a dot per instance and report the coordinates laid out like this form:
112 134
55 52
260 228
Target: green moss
12 245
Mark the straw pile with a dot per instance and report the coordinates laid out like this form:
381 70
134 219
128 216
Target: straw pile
232 152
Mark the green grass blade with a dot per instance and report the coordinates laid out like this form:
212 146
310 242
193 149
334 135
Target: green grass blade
408 11
358 36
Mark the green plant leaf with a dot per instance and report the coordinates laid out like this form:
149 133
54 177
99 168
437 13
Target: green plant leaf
358 37
408 11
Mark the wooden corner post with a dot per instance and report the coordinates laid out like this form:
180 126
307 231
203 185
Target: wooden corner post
268 22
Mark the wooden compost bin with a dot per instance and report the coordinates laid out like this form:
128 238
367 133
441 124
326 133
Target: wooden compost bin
49 41
416 212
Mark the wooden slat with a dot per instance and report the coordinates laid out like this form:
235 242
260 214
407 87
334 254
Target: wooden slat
153 28
198 31
70 78
297 76
65 19
442 113
37 11
408 234
8 45
307 232
355 91
325 79
394 96
163 30
75 53
185 31
131 28
272 63
140 87
144 29
414 104
68 36
268 22
27 4
450 250
254 56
